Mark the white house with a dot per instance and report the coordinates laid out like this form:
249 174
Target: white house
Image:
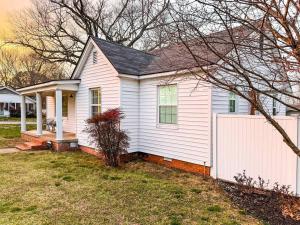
168 111
10 101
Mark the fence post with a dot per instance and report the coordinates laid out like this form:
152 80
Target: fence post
298 159
214 171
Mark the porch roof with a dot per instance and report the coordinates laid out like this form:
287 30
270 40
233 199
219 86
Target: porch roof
52 85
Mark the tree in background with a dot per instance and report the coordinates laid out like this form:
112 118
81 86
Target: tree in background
8 66
56 30
105 133
253 45
19 69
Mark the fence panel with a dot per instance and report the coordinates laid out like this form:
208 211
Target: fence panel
250 143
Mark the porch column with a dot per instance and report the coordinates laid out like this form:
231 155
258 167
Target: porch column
23 113
58 108
39 115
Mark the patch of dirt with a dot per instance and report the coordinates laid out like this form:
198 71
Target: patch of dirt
272 207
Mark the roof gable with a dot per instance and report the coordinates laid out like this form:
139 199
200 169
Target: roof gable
7 90
90 44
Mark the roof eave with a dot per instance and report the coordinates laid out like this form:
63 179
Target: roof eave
168 73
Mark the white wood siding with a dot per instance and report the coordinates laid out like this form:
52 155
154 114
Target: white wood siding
250 143
190 139
130 107
103 75
13 98
220 102
268 105
50 107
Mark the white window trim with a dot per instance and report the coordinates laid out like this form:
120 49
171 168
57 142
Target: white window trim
166 125
90 100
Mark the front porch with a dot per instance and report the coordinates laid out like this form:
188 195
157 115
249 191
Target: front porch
51 136
48 140
58 97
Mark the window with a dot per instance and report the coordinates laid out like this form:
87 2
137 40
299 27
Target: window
232 102
65 106
95 101
18 106
167 104
95 57
1 109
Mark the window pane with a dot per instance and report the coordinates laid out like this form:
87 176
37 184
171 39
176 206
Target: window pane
168 114
168 109
95 110
94 96
168 118
174 118
162 100
232 96
168 95
162 114
231 105
174 110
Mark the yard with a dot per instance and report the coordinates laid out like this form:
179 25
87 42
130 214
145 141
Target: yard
16 119
10 134
76 188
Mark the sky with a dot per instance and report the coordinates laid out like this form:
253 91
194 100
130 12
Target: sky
9 7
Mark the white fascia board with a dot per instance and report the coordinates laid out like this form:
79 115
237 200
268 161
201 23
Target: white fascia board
171 73
52 85
83 58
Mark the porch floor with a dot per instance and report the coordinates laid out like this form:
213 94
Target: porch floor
51 136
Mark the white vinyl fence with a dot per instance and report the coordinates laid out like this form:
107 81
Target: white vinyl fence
250 143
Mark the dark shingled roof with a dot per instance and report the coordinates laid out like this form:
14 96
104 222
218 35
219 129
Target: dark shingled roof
172 58
125 60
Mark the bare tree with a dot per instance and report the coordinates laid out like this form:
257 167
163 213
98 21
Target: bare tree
33 70
247 47
57 30
19 69
8 66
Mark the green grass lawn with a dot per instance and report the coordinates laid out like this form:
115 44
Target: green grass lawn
10 134
16 119
76 188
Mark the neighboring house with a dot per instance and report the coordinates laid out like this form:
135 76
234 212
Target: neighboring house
10 102
168 112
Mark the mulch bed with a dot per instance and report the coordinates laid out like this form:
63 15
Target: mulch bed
273 207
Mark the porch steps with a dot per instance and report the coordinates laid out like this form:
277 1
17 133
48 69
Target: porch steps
31 146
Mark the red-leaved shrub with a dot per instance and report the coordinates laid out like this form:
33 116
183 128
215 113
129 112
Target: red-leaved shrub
104 131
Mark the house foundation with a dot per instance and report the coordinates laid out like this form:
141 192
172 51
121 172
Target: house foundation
170 163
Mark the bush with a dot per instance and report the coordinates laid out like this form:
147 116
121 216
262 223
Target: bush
104 131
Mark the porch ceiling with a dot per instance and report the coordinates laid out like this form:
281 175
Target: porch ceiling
51 86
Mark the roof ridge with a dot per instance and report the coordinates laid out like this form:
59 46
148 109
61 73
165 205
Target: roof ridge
115 43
